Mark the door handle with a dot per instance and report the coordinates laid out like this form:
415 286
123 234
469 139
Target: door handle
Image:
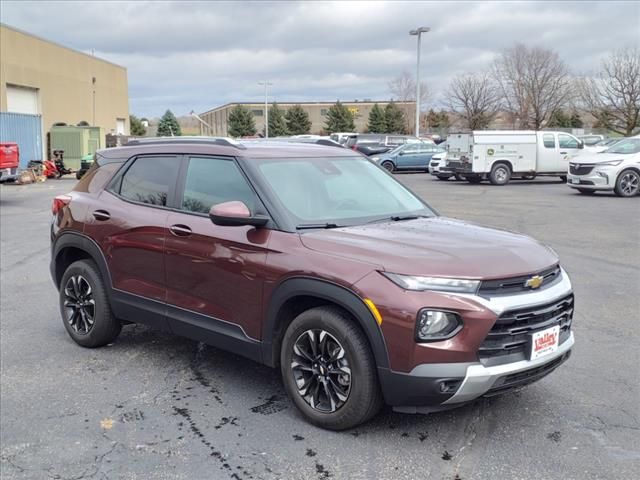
101 215
180 230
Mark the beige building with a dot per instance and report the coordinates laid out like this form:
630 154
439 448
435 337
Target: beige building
39 77
217 118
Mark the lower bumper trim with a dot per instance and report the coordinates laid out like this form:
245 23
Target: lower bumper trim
480 380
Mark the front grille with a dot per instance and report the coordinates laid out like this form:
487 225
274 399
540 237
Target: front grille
517 284
580 169
510 337
526 377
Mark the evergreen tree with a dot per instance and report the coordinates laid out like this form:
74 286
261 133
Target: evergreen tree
394 118
576 121
377 120
168 126
298 122
241 122
439 120
135 127
277 122
339 119
559 119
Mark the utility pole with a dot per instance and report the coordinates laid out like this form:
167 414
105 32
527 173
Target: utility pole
418 32
266 84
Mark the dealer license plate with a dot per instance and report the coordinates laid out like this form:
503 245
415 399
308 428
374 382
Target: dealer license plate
575 180
545 342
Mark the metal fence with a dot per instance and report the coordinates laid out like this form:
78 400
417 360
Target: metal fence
26 131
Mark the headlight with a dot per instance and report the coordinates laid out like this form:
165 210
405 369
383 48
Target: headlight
456 285
436 325
610 163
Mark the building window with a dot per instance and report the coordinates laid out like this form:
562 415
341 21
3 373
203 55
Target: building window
324 112
257 113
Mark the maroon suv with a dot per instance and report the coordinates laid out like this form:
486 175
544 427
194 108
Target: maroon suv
312 259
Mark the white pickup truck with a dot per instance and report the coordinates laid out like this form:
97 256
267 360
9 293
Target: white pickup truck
499 155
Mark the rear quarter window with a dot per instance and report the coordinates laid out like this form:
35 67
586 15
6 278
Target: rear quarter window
149 180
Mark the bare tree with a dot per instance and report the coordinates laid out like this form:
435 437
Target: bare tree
534 82
475 98
403 89
613 94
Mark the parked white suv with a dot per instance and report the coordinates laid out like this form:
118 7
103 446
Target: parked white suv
617 169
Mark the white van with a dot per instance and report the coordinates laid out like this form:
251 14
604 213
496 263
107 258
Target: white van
499 155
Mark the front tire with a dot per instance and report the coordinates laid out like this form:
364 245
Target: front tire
328 369
627 183
85 308
388 166
500 174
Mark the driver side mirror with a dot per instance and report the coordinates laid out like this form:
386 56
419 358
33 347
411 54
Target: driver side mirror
235 214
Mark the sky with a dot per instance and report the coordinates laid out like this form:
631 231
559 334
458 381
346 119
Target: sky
188 56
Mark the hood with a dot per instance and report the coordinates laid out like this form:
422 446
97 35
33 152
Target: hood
435 246
590 158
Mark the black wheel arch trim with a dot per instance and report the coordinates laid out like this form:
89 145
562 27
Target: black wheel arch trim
81 242
325 290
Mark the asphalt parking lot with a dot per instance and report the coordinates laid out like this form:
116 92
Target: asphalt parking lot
155 406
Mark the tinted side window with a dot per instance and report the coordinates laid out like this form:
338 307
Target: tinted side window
549 140
214 180
567 141
149 179
396 140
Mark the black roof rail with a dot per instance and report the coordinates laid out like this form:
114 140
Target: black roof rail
222 141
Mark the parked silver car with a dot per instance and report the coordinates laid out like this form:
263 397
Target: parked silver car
617 169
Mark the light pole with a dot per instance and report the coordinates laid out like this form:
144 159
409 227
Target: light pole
418 32
266 109
194 114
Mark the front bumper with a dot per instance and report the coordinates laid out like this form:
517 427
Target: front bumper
443 384
592 181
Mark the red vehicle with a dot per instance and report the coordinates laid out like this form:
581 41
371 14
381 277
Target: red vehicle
314 260
9 161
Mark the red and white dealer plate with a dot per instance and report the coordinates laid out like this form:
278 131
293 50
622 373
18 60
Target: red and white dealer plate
545 342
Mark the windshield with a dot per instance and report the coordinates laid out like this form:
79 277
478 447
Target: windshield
625 147
340 191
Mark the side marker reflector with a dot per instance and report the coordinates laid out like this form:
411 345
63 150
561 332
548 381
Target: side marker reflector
374 310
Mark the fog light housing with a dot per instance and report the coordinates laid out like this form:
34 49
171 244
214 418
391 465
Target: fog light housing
434 325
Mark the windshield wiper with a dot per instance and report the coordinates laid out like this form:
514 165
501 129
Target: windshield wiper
398 218
308 226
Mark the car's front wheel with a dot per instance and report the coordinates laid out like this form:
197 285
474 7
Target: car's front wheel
388 166
328 369
85 308
628 183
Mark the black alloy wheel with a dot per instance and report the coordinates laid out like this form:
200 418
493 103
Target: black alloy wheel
321 370
79 304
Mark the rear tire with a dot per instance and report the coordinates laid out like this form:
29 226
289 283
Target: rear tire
388 166
474 180
500 174
444 178
340 401
627 183
563 178
586 191
85 308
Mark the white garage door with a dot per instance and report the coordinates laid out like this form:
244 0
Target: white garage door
22 100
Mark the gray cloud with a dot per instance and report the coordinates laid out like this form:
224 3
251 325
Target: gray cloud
197 55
